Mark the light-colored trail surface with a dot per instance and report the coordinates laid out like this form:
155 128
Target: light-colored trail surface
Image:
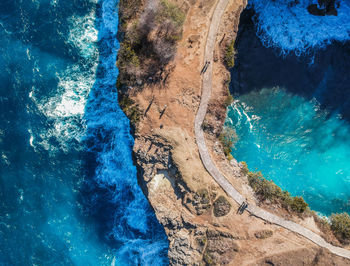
208 162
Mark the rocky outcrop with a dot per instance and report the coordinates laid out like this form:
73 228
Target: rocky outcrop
179 208
221 207
221 248
314 257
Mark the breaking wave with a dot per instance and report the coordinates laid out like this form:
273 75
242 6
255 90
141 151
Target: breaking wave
291 28
108 133
65 145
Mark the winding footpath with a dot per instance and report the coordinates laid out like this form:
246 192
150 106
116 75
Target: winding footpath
208 162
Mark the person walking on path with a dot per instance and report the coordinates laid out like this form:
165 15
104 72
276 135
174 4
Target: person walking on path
205 67
243 206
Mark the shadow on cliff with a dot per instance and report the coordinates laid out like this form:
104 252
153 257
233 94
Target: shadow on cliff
256 67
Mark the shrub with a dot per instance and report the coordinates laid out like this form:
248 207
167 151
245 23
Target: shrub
221 207
127 54
244 169
230 55
298 204
263 234
148 42
268 190
229 100
130 109
228 137
340 225
171 11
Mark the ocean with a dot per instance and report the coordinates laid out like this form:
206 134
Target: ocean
68 186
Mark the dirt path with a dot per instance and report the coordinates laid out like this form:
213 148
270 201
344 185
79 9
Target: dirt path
209 164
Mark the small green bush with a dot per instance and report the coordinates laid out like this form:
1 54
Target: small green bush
245 169
127 55
230 55
228 137
340 225
229 100
131 110
171 11
268 190
298 204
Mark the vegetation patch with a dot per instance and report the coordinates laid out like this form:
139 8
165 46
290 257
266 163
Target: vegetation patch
131 110
229 100
221 207
268 190
263 234
203 195
230 55
340 225
129 9
171 11
228 138
148 41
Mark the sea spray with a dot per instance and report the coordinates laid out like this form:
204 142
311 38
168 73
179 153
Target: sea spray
291 28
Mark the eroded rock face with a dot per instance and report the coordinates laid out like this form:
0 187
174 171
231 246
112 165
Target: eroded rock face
221 248
179 209
315 256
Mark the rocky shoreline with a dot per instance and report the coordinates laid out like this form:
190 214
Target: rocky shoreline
200 221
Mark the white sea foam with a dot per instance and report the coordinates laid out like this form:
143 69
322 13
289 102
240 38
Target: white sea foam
67 107
86 108
84 35
54 2
248 119
293 29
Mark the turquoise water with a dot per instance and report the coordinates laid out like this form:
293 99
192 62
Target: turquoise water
302 148
68 186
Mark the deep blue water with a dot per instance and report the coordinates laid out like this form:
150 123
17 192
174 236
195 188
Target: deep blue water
68 187
292 107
